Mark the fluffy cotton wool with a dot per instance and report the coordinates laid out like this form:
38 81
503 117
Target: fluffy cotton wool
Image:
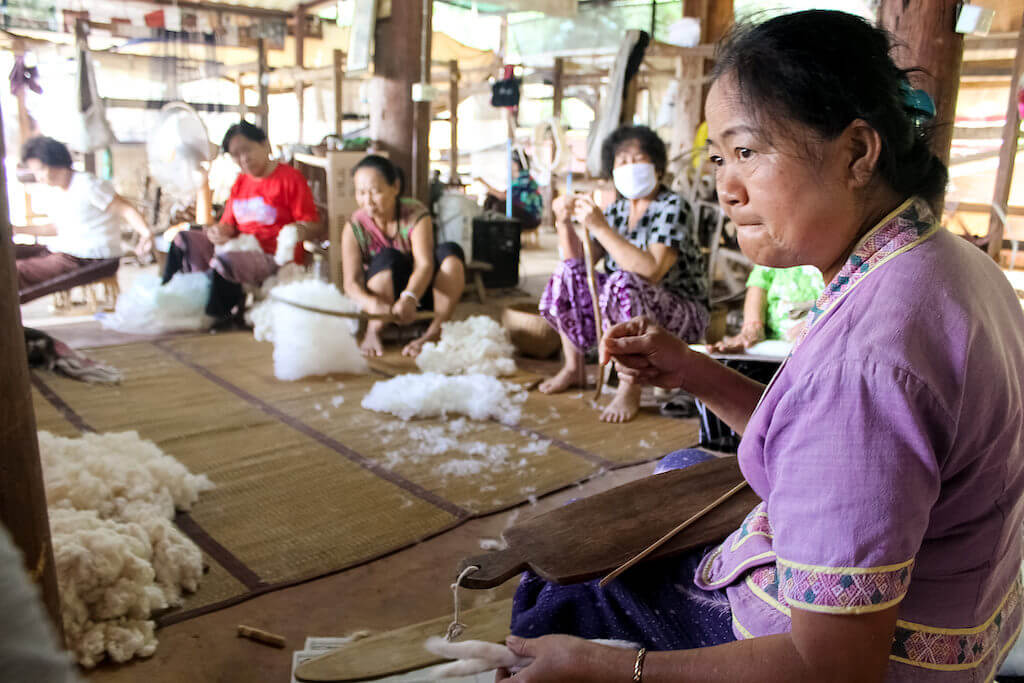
243 242
287 240
151 308
118 556
480 397
477 345
307 343
260 315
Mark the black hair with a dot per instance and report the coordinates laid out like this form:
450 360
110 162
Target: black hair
824 69
389 171
245 129
645 138
519 157
46 150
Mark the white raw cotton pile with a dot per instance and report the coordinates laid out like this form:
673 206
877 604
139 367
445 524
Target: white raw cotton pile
260 315
307 343
480 397
477 345
242 242
151 308
118 556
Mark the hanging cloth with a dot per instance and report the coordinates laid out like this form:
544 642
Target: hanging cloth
627 64
93 130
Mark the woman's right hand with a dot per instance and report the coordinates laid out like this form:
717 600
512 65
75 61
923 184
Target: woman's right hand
219 234
563 208
647 353
376 306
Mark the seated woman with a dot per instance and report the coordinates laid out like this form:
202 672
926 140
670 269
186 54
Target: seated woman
776 306
653 265
527 204
390 264
889 449
87 220
267 196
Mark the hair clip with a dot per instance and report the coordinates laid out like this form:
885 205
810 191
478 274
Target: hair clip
918 104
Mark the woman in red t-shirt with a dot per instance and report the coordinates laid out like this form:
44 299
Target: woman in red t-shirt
266 196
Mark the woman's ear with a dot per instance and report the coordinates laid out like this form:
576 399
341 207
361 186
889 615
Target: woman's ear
863 146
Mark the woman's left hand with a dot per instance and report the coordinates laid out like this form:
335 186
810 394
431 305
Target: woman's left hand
404 309
567 659
588 214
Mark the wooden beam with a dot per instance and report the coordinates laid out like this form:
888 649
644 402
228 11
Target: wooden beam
22 497
215 107
925 28
262 118
339 80
978 207
225 8
1007 155
453 108
397 124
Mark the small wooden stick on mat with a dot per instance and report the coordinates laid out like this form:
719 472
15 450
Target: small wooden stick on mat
261 636
359 315
592 285
667 537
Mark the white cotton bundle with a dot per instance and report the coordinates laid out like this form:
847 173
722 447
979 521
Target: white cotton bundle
151 308
260 315
287 240
242 242
307 343
477 345
480 397
111 498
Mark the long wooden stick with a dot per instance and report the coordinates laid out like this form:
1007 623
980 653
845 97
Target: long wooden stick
667 537
358 315
592 285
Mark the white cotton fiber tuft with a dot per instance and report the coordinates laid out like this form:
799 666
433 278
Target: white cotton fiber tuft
287 239
243 242
151 308
477 345
260 315
307 343
118 555
480 397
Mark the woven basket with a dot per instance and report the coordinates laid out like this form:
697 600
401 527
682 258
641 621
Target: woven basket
529 332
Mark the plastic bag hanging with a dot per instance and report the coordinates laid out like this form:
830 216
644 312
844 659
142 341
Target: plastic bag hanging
92 131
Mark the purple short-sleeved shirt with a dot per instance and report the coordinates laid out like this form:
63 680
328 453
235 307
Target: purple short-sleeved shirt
889 453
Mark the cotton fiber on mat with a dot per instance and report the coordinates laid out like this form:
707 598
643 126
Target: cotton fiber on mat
151 308
480 397
477 345
118 555
307 343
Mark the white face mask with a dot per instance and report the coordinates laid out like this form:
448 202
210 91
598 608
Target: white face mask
634 181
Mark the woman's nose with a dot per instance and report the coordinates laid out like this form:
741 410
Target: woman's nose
731 191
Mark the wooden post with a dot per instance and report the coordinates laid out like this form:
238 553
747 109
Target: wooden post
453 107
557 89
925 27
22 497
300 63
262 115
1007 156
339 76
82 34
399 125
557 95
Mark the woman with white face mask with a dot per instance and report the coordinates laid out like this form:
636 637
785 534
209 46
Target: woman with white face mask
653 266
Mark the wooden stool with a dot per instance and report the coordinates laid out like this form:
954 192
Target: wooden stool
109 291
475 271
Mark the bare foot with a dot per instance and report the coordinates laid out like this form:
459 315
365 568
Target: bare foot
414 347
625 405
567 378
371 345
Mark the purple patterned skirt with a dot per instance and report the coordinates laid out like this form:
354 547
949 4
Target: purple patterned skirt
243 267
622 295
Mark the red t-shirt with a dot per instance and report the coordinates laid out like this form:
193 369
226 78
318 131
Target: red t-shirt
262 206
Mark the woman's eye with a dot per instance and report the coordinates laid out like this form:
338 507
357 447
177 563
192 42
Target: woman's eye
744 153
715 159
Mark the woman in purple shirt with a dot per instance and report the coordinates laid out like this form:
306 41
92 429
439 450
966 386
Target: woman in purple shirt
888 451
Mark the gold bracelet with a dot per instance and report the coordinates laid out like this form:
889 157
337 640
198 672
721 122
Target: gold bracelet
638 667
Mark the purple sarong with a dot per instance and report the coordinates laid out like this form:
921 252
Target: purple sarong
622 295
654 604
243 267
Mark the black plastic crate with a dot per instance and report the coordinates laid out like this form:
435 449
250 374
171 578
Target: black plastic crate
496 240
717 435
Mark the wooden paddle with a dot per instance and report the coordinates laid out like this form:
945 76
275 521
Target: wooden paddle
395 652
593 536
357 315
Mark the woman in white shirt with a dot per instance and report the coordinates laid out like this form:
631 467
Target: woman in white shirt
87 220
